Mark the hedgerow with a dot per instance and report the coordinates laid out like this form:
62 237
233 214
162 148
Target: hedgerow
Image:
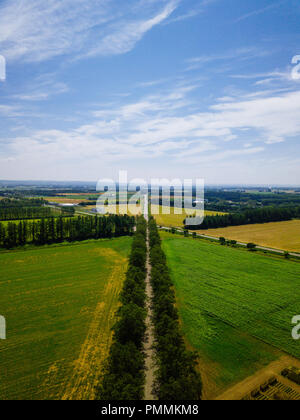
176 376
124 375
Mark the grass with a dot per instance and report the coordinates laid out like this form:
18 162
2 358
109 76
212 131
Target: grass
174 220
235 306
279 235
59 303
65 200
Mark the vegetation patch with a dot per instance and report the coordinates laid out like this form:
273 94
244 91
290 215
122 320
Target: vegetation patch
171 219
236 307
59 319
176 375
279 235
124 375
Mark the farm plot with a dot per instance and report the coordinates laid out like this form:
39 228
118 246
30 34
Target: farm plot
280 235
236 307
172 219
59 303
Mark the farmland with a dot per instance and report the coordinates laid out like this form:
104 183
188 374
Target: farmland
235 306
279 235
172 219
59 302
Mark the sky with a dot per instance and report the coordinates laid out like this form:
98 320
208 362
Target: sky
161 88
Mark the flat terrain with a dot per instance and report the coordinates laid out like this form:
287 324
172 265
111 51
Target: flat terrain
59 303
236 308
69 200
279 235
172 219
245 387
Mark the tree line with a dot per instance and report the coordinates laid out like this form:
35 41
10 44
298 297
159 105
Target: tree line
124 375
18 213
56 230
251 216
22 202
176 376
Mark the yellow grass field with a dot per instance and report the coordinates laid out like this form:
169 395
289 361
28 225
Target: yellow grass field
168 220
174 220
65 200
279 235
59 319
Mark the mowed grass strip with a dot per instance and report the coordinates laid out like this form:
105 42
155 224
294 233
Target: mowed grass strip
279 235
236 307
59 304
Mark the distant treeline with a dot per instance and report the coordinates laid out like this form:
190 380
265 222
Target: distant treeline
124 376
176 376
21 202
263 215
55 230
233 201
22 213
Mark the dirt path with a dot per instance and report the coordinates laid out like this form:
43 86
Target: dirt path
148 346
274 369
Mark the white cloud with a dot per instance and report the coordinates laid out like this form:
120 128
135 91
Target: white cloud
260 11
36 30
246 53
125 36
160 126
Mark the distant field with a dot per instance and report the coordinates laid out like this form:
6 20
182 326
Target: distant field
28 221
59 304
174 220
280 235
236 307
63 200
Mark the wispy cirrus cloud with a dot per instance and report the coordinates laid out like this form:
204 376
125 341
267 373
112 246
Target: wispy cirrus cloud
36 30
260 11
246 53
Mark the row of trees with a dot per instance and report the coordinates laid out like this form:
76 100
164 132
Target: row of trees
124 375
22 202
55 230
18 213
176 377
263 215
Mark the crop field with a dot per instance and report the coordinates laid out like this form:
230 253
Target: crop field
235 306
279 235
174 220
59 303
64 200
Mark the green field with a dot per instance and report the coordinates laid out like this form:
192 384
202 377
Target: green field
236 307
59 304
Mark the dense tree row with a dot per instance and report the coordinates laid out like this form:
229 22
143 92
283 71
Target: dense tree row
18 213
263 215
124 376
176 377
55 230
22 202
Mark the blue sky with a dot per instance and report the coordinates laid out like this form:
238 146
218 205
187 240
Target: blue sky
161 88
